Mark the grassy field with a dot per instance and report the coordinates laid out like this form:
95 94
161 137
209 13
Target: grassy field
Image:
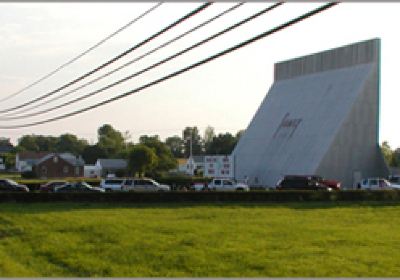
227 240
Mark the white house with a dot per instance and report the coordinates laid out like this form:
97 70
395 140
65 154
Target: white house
91 171
111 166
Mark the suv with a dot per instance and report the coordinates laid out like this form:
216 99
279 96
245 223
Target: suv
143 185
111 184
297 182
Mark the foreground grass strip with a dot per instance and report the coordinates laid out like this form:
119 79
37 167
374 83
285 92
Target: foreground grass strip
192 240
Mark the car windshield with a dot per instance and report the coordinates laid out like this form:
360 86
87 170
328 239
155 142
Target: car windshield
84 185
152 182
114 181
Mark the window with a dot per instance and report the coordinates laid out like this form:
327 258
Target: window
128 182
77 171
44 170
217 182
65 169
55 159
365 181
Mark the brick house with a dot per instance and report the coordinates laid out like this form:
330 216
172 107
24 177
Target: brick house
55 165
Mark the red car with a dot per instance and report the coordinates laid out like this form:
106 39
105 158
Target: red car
335 185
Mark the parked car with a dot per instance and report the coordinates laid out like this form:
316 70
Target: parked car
218 184
112 184
394 179
374 184
306 182
49 186
197 187
77 187
8 185
143 185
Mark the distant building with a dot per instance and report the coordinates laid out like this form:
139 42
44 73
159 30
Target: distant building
195 165
219 166
25 161
2 164
111 166
320 117
59 165
5 146
91 171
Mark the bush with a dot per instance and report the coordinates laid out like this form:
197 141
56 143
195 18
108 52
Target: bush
28 174
204 197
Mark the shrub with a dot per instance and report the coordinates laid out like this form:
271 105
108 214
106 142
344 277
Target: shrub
205 197
28 174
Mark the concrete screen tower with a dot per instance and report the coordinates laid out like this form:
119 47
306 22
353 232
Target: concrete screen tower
320 116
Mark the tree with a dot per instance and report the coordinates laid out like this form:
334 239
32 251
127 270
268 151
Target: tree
239 134
209 134
387 153
166 160
141 159
396 157
9 160
70 143
223 144
37 143
92 153
192 137
176 145
111 140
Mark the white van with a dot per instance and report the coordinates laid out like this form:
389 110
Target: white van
111 184
143 185
374 184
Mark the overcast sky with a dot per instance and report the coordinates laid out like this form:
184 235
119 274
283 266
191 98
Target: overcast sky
36 38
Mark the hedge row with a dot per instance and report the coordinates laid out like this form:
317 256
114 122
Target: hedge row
266 196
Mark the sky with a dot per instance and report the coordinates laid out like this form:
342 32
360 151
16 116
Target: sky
36 38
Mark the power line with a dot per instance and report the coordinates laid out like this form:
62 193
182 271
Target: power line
183 70
16 116
270 8
177 22
83 53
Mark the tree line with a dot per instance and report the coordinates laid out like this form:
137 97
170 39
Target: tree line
158 155
392 156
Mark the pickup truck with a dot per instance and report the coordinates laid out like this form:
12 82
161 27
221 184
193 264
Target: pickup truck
227 185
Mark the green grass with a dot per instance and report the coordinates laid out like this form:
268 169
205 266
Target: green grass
191 240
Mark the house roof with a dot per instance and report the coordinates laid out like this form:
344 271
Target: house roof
6 148
115 163
68 157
